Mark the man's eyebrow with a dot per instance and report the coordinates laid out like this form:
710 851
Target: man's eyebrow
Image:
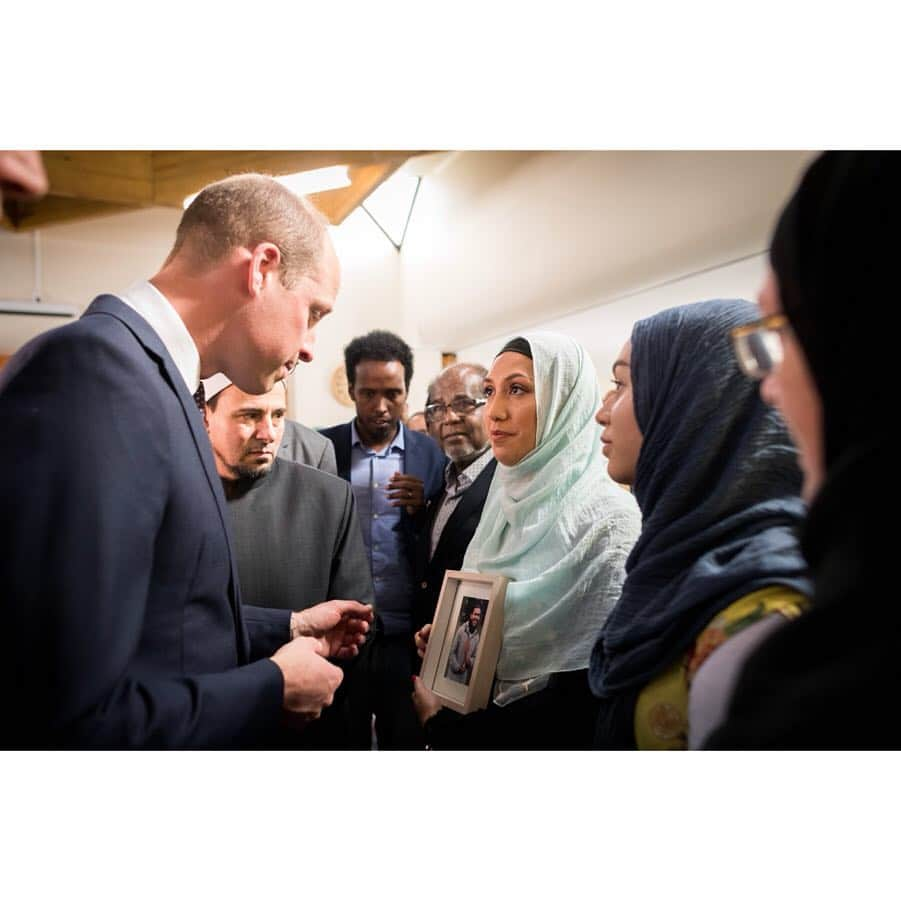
241 411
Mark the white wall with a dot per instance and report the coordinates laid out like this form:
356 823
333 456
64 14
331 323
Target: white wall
500 241
603 329
371 297
81 260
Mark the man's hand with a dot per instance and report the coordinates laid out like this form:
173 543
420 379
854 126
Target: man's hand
422 639
310 680
406 491
425 701
339 626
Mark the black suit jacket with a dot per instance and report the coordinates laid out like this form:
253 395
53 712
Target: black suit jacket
451 548
123 623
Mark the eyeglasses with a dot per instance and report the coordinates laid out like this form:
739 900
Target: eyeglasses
462 406
758 345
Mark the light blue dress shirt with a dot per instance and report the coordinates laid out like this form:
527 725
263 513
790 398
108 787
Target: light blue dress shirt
392 578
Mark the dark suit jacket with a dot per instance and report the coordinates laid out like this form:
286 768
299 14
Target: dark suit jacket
451 548
297 539
422 458
305 445
123 623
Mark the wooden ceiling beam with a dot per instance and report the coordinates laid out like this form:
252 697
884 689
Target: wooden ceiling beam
338 204
53 210
179 173
88 183
112 176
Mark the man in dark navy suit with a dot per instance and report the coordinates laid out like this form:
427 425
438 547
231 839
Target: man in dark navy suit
395 473
121 610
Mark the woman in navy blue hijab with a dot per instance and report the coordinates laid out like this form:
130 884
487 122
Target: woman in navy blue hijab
717 565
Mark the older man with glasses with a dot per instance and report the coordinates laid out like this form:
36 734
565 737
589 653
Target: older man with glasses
454 418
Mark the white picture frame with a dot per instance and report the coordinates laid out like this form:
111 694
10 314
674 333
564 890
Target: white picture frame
461 659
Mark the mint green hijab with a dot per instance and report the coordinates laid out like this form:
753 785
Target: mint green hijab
556 525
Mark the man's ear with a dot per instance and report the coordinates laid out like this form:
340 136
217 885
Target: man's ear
350 392
265 261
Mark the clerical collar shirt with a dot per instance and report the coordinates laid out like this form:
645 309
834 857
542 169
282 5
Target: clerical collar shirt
153 306
455 484
392 578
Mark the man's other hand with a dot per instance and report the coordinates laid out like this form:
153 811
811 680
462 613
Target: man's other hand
310 680
340 626
406 491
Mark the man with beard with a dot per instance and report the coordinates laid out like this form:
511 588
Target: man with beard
394 474
454 414
295 531
463 651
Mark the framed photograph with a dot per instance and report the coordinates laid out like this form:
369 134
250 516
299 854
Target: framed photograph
465 641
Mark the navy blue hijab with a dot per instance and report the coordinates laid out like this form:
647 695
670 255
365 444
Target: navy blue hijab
718 486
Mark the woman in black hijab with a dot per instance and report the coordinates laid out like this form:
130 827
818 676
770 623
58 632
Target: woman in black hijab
717 563
830 679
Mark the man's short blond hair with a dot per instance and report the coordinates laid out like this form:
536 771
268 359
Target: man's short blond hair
246 210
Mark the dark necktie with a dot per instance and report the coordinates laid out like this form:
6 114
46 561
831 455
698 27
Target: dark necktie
200 400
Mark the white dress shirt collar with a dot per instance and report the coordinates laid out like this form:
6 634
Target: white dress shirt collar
151 304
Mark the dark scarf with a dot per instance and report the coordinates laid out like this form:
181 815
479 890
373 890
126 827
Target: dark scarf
830 679
718 486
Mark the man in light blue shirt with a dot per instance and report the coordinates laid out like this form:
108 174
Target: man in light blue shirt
395 473
371 474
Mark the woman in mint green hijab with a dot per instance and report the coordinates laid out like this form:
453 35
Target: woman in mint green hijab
561 530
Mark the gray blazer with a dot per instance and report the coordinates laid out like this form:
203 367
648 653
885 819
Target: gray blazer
306 445
297 539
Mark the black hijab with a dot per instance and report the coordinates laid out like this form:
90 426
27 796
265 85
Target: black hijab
718 485
830 679
834 253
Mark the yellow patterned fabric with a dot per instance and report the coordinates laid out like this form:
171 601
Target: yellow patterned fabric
661 712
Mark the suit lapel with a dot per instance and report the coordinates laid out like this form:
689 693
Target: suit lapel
342 452
471 500
414 462
154 346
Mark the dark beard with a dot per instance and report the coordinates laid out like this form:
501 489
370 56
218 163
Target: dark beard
251 472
